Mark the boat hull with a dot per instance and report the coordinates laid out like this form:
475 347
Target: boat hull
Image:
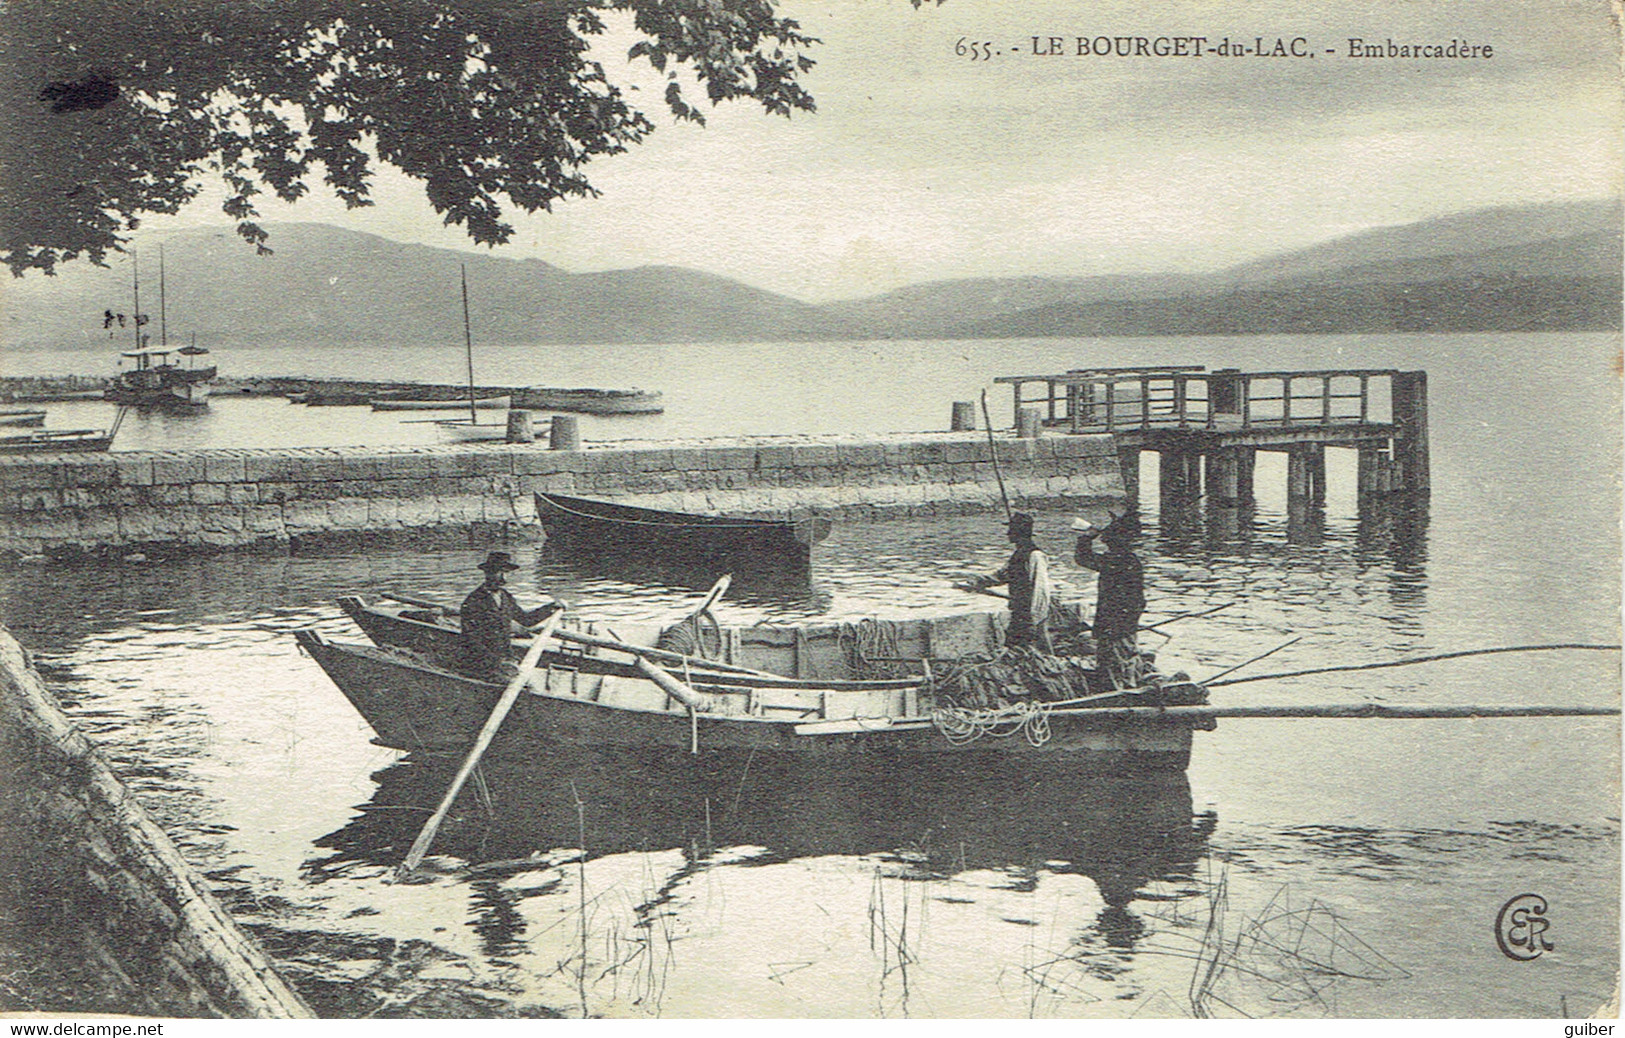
487 403
415 707
22 419
54 442
604 526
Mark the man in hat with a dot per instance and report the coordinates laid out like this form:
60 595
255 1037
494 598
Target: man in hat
488 614
1027 574
1119 600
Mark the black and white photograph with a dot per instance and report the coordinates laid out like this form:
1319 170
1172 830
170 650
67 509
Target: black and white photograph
863 510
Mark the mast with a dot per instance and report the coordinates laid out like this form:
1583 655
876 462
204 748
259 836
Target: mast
135 260
163 322
468 344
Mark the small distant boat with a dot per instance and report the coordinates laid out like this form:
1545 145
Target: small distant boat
21 418
604 525
488 403
54 441
589 401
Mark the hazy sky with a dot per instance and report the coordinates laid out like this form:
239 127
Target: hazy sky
922 165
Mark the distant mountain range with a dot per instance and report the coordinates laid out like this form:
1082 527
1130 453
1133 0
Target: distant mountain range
1534 268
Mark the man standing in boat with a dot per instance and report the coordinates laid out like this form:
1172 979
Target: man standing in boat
1119 600
1027 574
488 614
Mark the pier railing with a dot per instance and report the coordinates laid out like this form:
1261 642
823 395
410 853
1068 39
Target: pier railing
1121 399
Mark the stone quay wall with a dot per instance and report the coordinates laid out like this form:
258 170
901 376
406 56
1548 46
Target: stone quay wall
95 873
129 501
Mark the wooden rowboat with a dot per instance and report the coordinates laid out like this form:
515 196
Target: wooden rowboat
835 687
413 705
22 418
604 526
52 441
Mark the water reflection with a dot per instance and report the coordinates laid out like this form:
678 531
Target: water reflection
931 819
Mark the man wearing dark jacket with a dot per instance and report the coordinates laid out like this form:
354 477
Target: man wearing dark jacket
488 614
1119 601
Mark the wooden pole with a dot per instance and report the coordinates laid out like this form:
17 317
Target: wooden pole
1379 711
993 449
672 687
1255 659
510 695
468 345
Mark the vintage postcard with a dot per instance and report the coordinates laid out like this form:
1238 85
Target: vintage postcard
861 509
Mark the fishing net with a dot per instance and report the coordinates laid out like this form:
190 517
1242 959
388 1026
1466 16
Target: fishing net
698 634
1018 675
873 649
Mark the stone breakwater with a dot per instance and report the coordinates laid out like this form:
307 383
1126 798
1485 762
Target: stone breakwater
91 871
129 501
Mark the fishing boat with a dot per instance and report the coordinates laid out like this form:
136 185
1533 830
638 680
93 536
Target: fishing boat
155 381
600 526
484 403
18 418
589 401
901 686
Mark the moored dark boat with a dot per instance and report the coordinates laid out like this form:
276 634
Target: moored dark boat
627 529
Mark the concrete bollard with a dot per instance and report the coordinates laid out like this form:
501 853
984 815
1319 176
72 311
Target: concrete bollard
565 434
519 428
964 416
1028 424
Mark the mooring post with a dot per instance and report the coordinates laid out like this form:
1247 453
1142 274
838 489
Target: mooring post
1224 392
1317 473
963 418
519 428
1128 462
1224 477
1410 412
1028 423
565 434
1179 475
1246 462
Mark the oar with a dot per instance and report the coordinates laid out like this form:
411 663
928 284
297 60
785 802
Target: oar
717 591
510 695
1186 616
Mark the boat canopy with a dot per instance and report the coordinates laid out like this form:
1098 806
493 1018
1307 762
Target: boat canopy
150 351
192 351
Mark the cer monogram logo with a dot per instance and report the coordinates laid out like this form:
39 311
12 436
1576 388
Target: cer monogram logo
1520 928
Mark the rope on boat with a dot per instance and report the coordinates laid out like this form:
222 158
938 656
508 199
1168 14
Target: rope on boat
873 648
961 726
1417 659
688 636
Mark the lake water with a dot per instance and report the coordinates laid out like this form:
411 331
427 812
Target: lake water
1346 868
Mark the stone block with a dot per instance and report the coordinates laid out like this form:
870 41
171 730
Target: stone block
89 472
557 483
263 520
927 452
167 495
177 468
347 513
687 459
611 461
824 455
417 512
242 494
98 526
491 462
361 467
304 516
27 474
276 493
452 464
651 461
224 468
140 523
405 466
861 455
775 457
459 509
269 466
134 471
320 466
1018 452
540 463
209 494
729 457
224 519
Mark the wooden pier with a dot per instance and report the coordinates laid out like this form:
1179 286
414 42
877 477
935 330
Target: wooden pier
1208 426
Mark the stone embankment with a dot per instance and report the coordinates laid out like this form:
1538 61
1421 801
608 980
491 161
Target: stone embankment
130 501
89 868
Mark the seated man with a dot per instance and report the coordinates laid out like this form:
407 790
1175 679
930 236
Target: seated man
489 613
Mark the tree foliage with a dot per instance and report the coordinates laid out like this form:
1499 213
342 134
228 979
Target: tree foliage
114 108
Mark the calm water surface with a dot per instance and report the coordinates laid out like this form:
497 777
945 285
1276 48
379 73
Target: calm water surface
1342 867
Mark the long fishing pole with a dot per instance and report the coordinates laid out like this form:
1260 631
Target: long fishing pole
1416 659
993 449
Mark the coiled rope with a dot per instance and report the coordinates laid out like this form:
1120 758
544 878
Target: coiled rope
872 648
688 636
961 726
